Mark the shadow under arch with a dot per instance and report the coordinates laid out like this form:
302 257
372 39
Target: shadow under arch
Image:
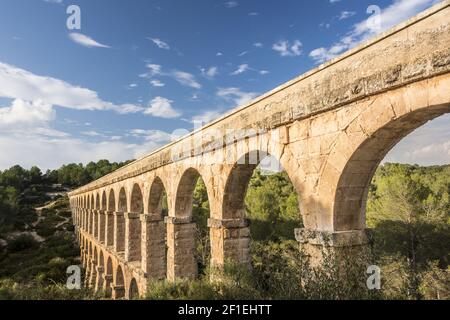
119 284
351 191
133 225
157 199
111 201
154 232
196 229
133 290
108 277
119 221
237 183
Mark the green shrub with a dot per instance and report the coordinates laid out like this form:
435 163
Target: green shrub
21 243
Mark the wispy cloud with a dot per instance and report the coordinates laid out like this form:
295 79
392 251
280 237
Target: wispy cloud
287 49
85 41
161 44
236 95
397 12
182 77
162 108
231 4
206 117
346 14
157 83
241 69
210 72
24 85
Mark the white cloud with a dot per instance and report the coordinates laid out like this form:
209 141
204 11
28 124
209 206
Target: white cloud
241 69
258 45
161 44
54 1
346 14
132 85
20 84
162 107
92 133
157 83
428 145
22 113
152 135
210 72
254 14
53 152
206 117
186 79
397 12
219 54
236 95
231 4
86 41
286 49
264 72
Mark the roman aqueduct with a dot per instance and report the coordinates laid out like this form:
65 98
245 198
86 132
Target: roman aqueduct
329 129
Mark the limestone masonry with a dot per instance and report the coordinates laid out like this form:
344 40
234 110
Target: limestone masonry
329 128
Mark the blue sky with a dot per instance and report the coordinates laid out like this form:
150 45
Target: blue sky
139 70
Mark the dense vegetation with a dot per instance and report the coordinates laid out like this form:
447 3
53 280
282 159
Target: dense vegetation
37 246
408 209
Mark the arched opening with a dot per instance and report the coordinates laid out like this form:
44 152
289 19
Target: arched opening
386 187
154 232
122 206
97 201
93 276
259 189
354 181
108 277
97 217
262 202
157 201
111 201
109 219
119 284
133 225
192 203
101 271
119 222
133 291
104 201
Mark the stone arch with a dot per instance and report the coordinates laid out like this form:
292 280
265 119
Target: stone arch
111 201
101 270
119 222
133 290
119 283
155 199
108 277
154 233
363 145
97 201
122 204
137 200
184 194
234 218
104 201
238 179
133 225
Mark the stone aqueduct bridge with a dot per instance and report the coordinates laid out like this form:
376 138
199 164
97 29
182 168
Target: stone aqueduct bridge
329 128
